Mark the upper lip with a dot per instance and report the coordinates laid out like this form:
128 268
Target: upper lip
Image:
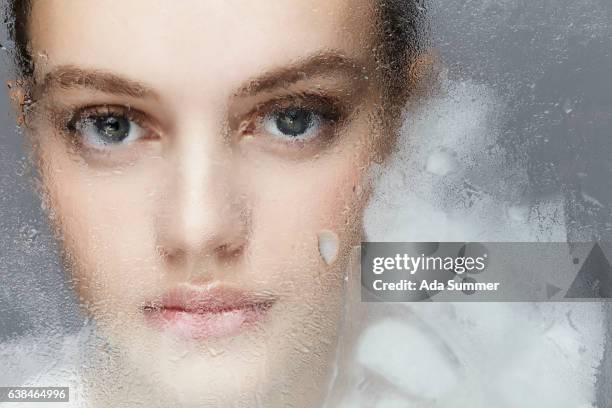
213 298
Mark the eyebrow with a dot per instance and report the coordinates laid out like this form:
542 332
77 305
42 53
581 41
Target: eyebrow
71 76
322 63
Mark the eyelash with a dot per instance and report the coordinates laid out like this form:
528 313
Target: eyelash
325 112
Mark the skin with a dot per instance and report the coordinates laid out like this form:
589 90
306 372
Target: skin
209 196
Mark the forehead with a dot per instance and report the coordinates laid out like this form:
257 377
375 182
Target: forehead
213 42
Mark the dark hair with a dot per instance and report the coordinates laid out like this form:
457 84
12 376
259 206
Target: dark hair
17 14
401 36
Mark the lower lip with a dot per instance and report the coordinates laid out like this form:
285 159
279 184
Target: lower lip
204 325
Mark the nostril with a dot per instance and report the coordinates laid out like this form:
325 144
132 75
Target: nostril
229 251
170 256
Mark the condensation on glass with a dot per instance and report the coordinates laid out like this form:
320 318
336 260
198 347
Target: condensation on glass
184 188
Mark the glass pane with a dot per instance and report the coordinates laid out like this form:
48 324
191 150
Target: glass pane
189 190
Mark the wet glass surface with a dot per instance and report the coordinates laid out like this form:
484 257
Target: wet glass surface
182 203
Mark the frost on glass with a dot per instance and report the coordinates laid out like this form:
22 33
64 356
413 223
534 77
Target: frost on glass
498 154
212 264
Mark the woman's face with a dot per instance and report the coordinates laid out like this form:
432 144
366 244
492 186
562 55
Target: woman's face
194 156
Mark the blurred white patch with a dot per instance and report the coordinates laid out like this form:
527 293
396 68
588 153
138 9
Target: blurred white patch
441 163
408 358
450 180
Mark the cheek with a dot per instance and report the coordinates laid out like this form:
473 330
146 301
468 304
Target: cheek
297 200
105 224
295 204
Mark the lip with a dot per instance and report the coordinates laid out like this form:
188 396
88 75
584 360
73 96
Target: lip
214 311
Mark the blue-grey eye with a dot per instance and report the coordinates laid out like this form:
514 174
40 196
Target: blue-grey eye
113 129
110 129
296 123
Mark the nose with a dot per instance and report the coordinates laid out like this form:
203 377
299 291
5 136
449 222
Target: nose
203 219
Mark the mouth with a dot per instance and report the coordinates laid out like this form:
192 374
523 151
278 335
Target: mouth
214 311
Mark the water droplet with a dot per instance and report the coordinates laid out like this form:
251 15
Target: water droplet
29 233
328 245
33 234
568 107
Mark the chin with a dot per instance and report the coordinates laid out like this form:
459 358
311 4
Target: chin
281 362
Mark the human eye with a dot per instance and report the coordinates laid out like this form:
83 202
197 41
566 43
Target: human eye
108 127
296 120
293 123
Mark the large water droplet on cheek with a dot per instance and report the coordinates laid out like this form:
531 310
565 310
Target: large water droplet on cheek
329 244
